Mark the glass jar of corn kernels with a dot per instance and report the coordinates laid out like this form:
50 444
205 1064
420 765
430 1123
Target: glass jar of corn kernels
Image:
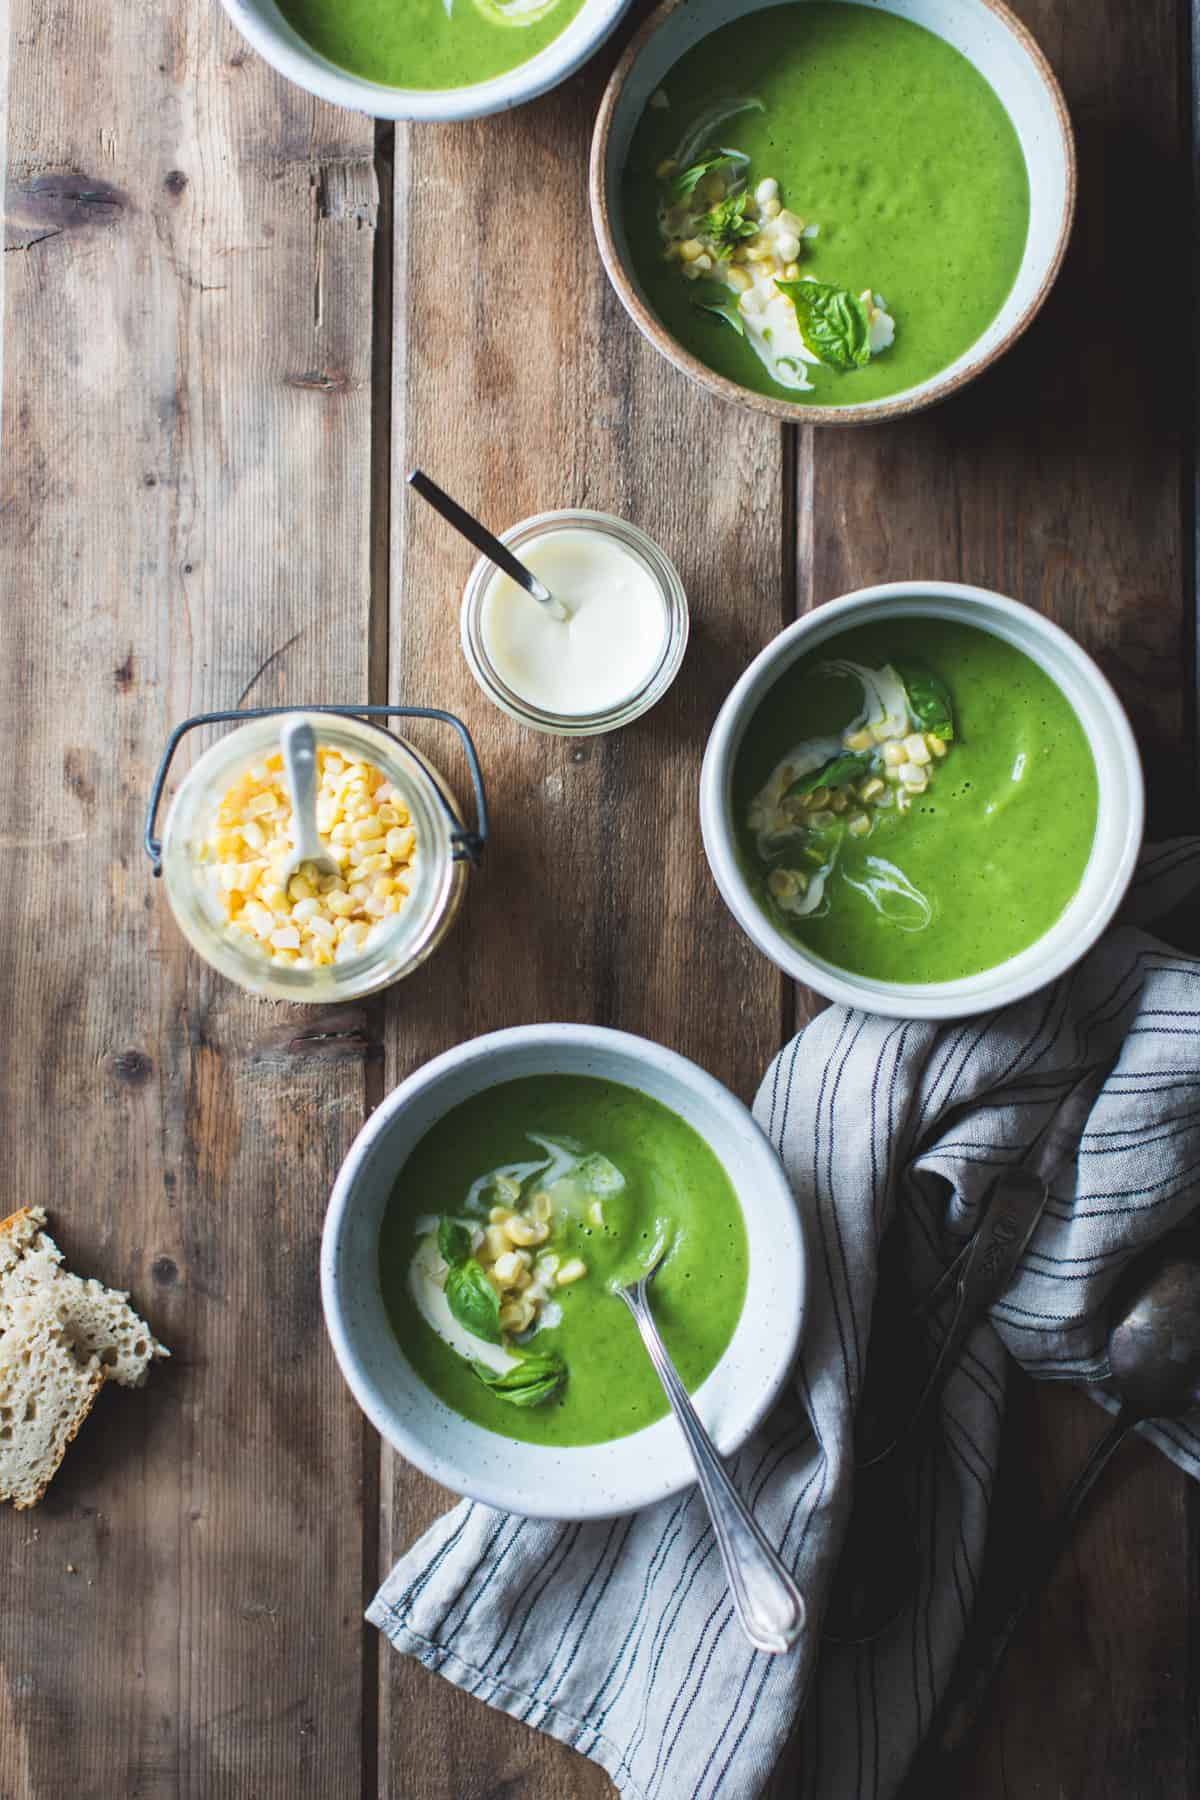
387 818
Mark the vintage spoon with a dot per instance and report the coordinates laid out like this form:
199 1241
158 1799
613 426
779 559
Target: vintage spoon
298 744
766 1599
1154 1363
479 535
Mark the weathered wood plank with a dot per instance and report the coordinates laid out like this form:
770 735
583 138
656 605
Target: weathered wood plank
184 509
596 902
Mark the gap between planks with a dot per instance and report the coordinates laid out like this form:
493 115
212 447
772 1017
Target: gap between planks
379 622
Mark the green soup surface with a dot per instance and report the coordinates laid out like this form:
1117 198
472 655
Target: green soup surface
674 1187
883 136
428 43
985 859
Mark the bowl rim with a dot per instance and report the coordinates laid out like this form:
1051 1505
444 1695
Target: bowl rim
900 1000
636 1489
298 62
793 412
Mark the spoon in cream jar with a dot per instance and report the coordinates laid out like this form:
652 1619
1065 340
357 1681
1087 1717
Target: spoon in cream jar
478 534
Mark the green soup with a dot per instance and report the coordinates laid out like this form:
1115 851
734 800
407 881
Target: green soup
981 860
659 1183
429 43
880 135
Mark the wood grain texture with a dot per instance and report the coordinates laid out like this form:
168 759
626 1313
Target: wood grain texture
596 902
183 522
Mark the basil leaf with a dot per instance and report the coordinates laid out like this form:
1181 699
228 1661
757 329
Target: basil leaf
832 321
839 770
928 699
688 180
454 1241
474 1301
724 309
726 225
533 1381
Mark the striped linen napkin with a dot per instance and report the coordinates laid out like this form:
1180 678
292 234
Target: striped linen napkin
617 1637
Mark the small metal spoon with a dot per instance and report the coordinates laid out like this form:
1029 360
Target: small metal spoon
1154 1363
766 1599
298 744
479 535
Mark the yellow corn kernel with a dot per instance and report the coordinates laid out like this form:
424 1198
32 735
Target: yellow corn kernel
574 1269
739 280
495 1242
916 750
771 208
526 1231
838 801
893 755
858 824
498 1214
690 249
399 843
364 829
819 797
507 1267
936 744
858 740
299 888
517 1315
540 1207
791 271
871 790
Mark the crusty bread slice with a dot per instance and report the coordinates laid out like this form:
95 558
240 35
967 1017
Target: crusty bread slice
60 1338
45 1395
96 1320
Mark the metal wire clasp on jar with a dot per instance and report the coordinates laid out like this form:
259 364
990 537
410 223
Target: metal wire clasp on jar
386 816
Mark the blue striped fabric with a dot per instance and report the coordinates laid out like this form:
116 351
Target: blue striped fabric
617 1637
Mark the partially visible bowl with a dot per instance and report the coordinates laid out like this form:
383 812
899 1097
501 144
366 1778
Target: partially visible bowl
598 1480
992 38
1119 819
264 26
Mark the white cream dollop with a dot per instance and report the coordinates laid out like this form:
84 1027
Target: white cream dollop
608 648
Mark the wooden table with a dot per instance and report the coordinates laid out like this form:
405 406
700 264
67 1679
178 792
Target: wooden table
234 318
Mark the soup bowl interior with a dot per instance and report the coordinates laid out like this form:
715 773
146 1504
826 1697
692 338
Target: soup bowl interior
263 24
592 1481
1004 53
1119 821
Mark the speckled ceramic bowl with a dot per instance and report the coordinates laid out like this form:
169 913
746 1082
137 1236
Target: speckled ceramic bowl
991 37
594 1481
263 25
1119 818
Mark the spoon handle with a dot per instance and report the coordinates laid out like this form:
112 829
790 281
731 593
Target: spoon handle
961 1708
485 541
767 1600
298 746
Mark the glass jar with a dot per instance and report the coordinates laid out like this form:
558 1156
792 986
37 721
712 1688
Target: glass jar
666 580
445 848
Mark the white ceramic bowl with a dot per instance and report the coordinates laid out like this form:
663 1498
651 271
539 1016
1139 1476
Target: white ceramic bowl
1118 825
263 25
595 1481
991 37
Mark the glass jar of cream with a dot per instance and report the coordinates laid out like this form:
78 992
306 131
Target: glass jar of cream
613 656
385 815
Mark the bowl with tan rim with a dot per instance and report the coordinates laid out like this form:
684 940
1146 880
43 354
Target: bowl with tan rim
992 39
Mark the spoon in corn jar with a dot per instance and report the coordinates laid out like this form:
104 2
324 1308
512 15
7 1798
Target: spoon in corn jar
298 747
